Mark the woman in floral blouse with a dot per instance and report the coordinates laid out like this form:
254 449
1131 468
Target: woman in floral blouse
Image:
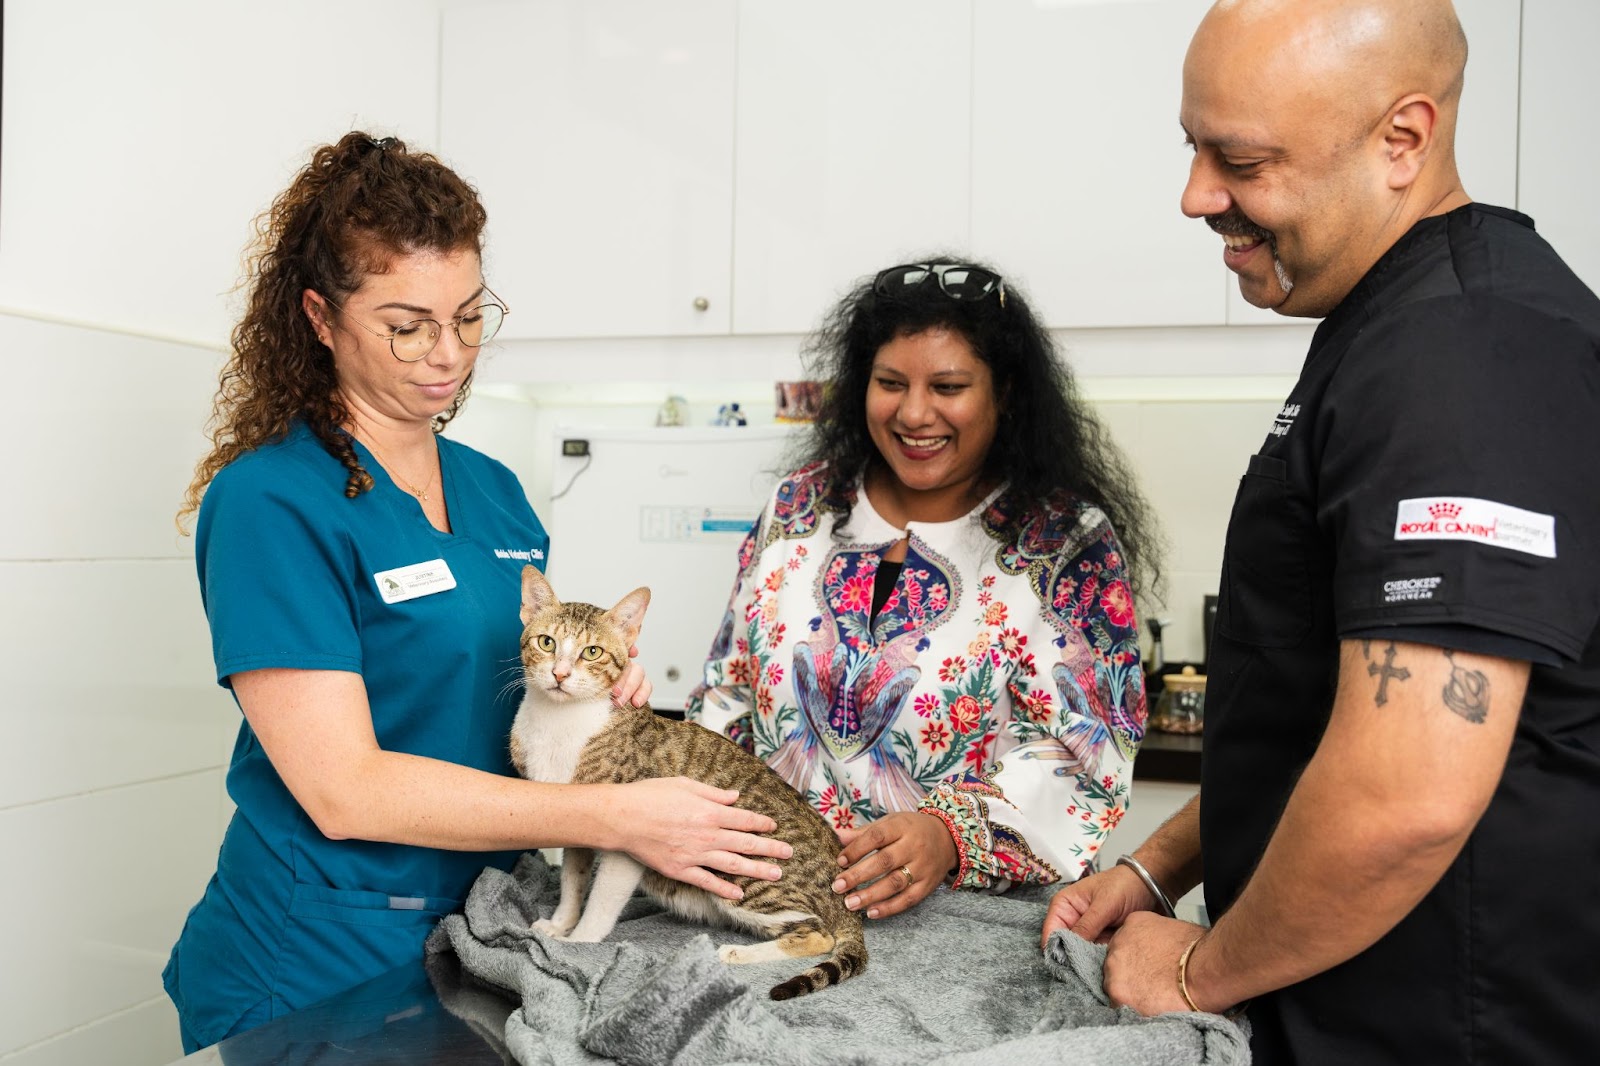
932 634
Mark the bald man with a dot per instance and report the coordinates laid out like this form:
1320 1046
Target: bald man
1398 827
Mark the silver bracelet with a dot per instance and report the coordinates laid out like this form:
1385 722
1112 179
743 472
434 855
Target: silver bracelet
1149 882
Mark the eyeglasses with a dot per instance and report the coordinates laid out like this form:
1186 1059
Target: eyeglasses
411 341
959 281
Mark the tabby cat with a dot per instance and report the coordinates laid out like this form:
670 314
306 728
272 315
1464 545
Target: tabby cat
568 730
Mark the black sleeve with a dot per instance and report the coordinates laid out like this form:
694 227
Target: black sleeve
1459 443
1462 638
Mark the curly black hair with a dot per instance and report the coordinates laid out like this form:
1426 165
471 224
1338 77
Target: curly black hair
1047 442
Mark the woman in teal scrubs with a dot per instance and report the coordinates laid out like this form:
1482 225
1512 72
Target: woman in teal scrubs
360 575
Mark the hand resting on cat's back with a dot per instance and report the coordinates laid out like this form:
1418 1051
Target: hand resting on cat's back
567 730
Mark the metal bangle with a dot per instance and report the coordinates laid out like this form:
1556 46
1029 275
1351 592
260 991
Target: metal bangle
1231 1013
1149 882
1183 972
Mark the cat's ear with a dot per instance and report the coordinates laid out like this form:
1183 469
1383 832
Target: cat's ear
629 612
537 595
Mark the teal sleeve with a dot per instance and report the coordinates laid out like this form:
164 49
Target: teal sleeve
276 577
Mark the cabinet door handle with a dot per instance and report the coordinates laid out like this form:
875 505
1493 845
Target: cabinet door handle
701 303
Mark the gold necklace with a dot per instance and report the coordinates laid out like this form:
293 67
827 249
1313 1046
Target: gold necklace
422 493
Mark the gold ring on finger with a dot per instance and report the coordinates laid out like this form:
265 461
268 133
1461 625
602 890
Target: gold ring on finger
905 872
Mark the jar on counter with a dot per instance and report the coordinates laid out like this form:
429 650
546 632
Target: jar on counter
1181 707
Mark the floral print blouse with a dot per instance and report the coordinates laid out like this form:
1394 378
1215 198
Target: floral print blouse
998 688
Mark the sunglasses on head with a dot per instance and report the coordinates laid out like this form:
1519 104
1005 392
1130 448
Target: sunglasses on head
959 281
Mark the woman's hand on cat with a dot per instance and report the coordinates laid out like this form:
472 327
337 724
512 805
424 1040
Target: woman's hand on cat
904 856
632 688
686 829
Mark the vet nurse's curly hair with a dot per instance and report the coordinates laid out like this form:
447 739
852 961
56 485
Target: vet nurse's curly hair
354 208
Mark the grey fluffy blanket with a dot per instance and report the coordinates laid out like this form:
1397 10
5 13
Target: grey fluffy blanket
958 980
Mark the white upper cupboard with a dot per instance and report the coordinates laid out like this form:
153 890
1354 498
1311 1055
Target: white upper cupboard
663 169
853 141
669 168
600 134
1078 161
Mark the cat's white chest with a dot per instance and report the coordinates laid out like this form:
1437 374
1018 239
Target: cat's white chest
553 734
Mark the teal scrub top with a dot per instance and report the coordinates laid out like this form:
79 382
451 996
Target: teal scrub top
294 574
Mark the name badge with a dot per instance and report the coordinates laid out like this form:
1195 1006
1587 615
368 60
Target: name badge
418 579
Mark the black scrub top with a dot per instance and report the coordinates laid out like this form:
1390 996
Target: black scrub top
1433 477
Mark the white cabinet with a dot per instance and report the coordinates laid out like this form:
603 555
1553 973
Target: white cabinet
1078 161
1486 135
1560 153
141 139
660 169
853 147
600 135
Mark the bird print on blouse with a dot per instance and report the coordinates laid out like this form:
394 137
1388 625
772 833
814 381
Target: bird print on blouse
998 687
855 673
1088 600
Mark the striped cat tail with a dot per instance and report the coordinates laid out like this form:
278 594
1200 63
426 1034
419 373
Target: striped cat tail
849 958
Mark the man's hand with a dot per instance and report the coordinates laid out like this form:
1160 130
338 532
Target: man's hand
1097 905
1142 963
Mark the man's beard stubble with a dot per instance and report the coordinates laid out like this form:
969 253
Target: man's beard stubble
1235 224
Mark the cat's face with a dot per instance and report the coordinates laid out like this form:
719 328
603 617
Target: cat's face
575 651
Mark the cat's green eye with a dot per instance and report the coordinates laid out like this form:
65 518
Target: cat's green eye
546 642
591 653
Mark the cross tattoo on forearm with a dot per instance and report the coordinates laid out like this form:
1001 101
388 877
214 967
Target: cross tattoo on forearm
1385 672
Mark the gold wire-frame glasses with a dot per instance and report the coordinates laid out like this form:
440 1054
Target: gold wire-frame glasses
411 341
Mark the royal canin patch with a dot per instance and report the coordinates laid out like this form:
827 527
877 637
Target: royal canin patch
1498 525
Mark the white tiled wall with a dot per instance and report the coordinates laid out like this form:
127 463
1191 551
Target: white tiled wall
110 789
110 874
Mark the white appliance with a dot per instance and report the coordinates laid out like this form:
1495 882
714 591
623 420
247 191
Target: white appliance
666 508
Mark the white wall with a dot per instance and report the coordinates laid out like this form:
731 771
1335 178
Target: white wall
139 140
110 785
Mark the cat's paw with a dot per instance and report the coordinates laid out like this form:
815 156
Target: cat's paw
552 928
734 954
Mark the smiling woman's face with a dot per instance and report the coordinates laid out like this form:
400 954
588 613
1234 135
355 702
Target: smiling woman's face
932 413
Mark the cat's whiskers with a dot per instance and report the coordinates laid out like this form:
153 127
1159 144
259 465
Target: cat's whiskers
513 688
516 679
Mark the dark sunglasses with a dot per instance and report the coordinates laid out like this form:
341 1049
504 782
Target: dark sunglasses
959 281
